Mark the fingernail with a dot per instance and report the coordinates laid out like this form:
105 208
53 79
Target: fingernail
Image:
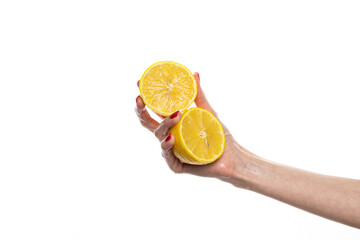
174 115
137 98
168 138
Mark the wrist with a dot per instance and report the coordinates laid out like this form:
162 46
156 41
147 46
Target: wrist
248 169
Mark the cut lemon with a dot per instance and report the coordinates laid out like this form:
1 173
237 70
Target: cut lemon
166 87
199 137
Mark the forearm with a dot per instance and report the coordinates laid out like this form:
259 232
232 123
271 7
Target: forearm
334 198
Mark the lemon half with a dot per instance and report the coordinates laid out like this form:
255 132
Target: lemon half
199 137
167 86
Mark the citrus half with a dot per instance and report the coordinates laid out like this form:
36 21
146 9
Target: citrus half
167 86
199 137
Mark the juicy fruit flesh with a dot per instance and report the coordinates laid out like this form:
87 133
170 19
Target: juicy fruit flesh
199 137
202 135
167 87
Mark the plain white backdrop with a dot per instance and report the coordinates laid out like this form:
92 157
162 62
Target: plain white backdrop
75 163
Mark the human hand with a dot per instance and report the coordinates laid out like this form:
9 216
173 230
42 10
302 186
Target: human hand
223 168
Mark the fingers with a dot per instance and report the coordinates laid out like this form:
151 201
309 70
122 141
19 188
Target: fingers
174 163
162 130
145 119
200 99
166 146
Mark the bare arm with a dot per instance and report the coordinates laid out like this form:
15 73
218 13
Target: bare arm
331 197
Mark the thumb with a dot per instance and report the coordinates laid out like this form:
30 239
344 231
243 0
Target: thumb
200 99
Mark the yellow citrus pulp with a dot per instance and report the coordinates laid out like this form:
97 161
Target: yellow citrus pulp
167 86
199 137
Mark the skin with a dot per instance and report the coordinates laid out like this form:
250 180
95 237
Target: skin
330 197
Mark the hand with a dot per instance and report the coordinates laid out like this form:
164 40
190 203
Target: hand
223 168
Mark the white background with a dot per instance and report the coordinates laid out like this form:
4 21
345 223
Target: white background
76 164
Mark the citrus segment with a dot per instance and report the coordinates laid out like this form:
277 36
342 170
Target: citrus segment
166 87
199 137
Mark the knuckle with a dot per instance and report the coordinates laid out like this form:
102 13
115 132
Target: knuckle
176 167
139 112
165 153
176 170
157 132
143 123
160 132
